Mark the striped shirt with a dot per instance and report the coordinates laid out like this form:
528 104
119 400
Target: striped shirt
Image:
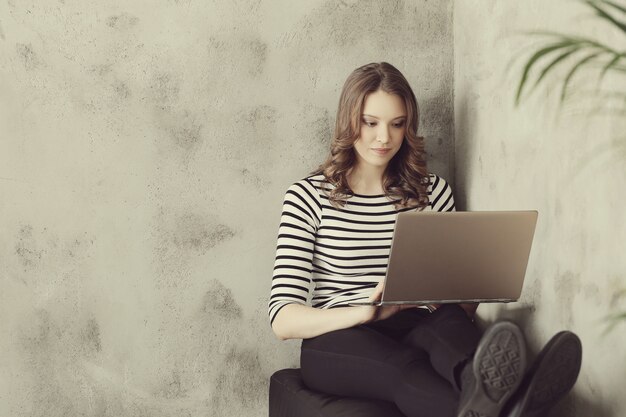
329 256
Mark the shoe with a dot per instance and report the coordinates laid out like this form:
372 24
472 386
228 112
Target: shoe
551 376
495 372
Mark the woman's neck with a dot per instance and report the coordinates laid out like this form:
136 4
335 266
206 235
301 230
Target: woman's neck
367 181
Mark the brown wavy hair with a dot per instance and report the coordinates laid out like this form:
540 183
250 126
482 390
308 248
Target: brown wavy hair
406 177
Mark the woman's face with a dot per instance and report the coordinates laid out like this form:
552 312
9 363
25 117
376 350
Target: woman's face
383 124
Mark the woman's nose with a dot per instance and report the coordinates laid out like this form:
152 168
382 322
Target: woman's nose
383 135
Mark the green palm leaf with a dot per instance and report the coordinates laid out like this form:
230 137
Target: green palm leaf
613 320
575 39
603 14
531 62
554 62
562 47
615 5
611 64
575 68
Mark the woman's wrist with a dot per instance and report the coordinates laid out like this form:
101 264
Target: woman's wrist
364 314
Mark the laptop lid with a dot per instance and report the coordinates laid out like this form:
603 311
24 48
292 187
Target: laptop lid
458 257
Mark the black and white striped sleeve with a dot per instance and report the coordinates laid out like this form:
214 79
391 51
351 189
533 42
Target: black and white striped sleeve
291 282
440 194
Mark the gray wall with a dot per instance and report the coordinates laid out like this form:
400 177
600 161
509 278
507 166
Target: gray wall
144 151
570 165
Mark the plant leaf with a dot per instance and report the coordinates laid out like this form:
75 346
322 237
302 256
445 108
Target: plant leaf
553 34
614 5
613 320
533 59
603 14
575 68
619 316
612 63
576 40
554 62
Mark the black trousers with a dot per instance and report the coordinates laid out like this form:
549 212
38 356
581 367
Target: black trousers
409 359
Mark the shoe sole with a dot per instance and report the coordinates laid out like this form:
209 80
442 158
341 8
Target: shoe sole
498 366
553 375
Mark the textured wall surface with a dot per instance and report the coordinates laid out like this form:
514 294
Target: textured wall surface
145 148
570 165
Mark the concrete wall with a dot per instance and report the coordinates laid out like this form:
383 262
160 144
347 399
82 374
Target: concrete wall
145 148
570 165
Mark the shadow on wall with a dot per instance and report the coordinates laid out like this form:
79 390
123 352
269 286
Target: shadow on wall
461 119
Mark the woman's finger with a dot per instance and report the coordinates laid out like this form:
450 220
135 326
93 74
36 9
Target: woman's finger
378 292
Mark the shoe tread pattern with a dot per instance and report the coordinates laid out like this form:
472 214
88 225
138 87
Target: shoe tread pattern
501 365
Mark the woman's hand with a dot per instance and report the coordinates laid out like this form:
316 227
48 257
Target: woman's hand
375 313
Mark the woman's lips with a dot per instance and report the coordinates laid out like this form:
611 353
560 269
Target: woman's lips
381 151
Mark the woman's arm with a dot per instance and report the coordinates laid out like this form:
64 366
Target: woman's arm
298 321
291 280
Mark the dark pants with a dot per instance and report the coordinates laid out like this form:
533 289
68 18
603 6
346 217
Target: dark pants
409 359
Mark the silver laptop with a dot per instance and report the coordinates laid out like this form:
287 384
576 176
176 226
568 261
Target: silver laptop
458 257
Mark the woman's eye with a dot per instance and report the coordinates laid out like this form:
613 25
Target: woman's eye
370 123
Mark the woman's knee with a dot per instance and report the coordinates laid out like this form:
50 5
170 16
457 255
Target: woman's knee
347 375
356 362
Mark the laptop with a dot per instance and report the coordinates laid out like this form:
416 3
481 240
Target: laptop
458 257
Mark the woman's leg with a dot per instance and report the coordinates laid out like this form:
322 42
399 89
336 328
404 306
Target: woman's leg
449 337
487 369
363 362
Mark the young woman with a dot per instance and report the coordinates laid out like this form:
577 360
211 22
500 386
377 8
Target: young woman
333 247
